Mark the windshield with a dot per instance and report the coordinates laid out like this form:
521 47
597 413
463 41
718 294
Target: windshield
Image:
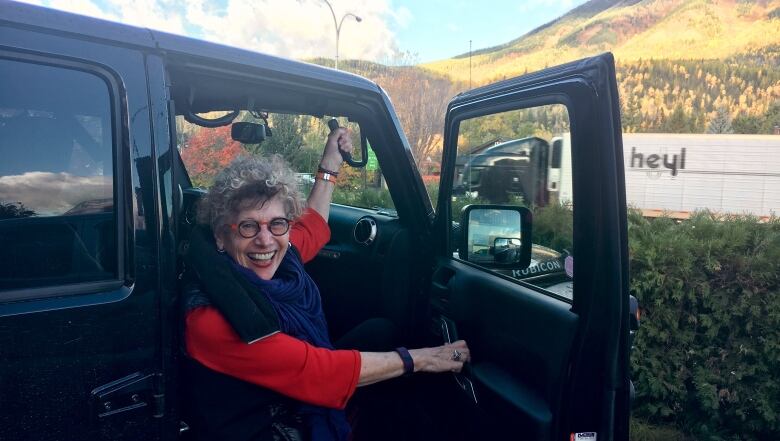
299 139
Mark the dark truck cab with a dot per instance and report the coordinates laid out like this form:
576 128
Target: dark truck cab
96 205
516 167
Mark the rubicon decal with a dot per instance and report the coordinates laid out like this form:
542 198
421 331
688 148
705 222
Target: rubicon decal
549 266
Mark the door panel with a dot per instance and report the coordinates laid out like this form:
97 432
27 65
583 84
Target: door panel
63 338
544 358
512 375
359 280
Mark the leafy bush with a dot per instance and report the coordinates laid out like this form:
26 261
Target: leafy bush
641 431
553 227
707 355
361 188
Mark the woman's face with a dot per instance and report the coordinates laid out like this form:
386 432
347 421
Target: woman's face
264 252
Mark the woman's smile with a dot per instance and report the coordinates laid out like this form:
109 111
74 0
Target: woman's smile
264 252
261 258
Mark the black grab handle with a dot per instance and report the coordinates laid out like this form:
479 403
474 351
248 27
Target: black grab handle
333 125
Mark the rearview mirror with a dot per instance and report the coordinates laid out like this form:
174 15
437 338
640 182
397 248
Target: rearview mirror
249 133
496 236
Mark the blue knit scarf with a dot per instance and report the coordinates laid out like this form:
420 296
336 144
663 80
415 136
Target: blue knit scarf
296 300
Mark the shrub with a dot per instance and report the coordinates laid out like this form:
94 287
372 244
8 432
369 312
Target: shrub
553 227
707 355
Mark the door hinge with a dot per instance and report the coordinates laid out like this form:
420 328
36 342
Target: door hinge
133 392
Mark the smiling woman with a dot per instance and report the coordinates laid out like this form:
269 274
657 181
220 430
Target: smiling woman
247 207
292 377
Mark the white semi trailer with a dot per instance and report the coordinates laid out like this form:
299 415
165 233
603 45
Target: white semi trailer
678 174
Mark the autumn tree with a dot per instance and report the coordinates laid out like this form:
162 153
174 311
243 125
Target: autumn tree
420 100
286 136
631 114
207 152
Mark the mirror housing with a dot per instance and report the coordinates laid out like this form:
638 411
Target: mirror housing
249 133
496 236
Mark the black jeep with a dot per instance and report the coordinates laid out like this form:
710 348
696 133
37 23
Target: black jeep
96 204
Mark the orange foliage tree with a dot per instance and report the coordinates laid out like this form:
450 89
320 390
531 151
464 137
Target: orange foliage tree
420 100
207 152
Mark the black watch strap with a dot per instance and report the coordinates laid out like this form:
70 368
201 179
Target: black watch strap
406 357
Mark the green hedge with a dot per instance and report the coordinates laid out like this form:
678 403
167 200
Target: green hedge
707 355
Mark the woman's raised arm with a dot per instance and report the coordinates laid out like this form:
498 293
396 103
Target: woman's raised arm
322 191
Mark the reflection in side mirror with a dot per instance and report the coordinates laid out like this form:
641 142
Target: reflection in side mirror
506 250
249 133
496 236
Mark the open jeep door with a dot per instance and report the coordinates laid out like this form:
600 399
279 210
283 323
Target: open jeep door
549 349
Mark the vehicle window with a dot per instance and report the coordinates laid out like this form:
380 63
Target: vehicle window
300 139
57 222
519 158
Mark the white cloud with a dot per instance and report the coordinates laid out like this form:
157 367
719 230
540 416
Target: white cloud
49 193
289 28
84 7
301 29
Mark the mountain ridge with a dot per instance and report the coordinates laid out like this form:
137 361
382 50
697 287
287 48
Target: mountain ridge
633 30
585 7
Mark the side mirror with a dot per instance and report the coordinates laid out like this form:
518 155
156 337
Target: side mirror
249 133
496 236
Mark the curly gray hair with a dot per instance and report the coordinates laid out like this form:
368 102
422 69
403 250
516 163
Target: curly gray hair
246 182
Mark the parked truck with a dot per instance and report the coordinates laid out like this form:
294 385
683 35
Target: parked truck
674 174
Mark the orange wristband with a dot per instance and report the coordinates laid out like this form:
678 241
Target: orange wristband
326 177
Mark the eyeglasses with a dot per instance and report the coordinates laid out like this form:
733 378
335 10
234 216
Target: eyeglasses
250 228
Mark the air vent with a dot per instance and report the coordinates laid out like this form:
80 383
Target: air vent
365 230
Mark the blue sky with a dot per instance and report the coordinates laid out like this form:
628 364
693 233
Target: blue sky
392 31
440 29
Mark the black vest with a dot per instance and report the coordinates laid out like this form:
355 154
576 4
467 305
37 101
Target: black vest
219 407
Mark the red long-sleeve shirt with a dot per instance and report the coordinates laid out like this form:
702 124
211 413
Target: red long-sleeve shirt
278 362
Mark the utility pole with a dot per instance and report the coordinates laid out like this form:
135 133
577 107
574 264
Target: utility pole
469 64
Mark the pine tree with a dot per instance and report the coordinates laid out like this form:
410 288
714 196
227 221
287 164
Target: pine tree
678 121
746 124
720 122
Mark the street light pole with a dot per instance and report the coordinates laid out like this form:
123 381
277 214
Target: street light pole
338 24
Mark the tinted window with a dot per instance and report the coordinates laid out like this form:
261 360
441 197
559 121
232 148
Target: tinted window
57 223
518 172
515 148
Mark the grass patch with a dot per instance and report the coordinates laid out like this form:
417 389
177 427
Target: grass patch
643 431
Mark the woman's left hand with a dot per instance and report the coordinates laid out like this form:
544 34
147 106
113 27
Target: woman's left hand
339 139
445 358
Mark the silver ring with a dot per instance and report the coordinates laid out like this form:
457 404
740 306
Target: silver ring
456 355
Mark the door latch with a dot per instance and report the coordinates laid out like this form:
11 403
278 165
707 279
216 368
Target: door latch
450 335
135 391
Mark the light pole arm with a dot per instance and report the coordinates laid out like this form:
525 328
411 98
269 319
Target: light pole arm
337 24
348 14
333 14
